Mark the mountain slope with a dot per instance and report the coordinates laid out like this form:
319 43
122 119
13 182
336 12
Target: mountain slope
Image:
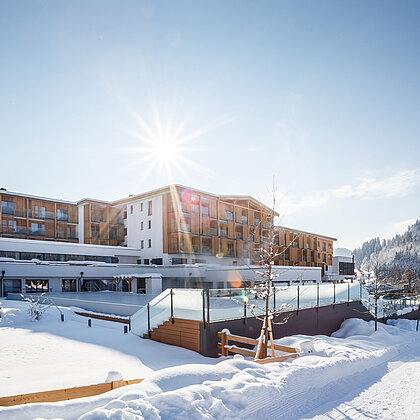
402 250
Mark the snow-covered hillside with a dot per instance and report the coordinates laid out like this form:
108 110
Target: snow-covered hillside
402 250
356 373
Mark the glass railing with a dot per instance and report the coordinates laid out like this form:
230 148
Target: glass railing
18 230
390 307
156 312
34 214
221 304
7 211
37 232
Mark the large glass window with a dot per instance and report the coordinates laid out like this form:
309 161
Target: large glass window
229 215
36 286
345 268
7 207
141 286
62 215
69 285
37 229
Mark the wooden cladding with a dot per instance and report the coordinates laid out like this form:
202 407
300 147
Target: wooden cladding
36 218
198 223
103 224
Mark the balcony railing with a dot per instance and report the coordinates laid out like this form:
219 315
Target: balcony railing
18 230
206 250
185 227
36 214
37 232
9 211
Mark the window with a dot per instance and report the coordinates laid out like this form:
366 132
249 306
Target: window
329 246
141 225
141 206
36 286
157 261
94 231
146 261
150 243
142 244
176 261
345 268
323 246
150 224
324 258
230 250
205 211
149 208
62 215
37 229
229 215
141 285
131 209
112 233
68 285
7 207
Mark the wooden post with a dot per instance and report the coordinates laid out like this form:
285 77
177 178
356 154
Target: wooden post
224 342
270 329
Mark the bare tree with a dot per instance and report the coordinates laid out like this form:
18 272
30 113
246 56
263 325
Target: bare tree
410 278
262 291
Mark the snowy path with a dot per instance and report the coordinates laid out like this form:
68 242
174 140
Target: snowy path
394 396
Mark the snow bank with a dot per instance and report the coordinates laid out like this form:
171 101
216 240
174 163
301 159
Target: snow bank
238 389
49 354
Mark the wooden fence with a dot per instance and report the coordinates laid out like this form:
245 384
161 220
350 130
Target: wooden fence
226 348
66 393
104 317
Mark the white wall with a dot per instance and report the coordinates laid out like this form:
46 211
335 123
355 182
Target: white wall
134 233
81 225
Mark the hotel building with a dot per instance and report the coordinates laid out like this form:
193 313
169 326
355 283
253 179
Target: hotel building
167 226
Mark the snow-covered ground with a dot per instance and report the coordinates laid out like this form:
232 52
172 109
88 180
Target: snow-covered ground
357 373
50 354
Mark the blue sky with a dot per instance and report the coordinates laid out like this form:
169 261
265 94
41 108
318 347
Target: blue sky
325 96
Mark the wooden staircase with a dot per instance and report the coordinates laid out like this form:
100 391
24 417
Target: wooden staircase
183 333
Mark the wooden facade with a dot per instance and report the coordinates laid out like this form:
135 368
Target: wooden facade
199 224
103 223
195 224
28 217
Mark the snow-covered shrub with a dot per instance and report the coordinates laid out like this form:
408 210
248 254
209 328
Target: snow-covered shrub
35 308
307 347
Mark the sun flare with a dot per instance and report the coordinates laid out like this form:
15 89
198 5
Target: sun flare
164 145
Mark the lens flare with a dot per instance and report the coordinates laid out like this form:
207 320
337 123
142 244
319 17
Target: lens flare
234 279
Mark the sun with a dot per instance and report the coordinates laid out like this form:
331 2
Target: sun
166 151
164 145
